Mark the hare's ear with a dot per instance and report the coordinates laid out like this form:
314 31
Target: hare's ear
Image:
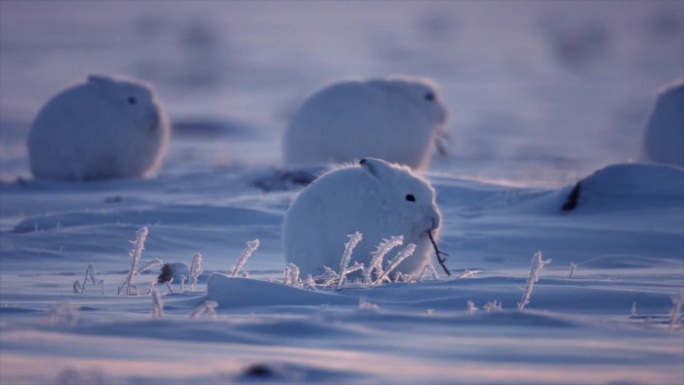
101 81
378 168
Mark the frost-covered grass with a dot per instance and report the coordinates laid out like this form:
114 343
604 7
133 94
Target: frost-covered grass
535 268
90 274
373 274
249 249
134 272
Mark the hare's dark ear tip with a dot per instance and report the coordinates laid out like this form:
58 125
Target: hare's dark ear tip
362 161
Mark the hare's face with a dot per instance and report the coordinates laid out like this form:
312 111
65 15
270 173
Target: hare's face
420 96
130 100
139 103
427 101
417 201
406 195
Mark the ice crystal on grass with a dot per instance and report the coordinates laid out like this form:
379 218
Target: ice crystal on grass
493 307
469 274
249 249
370 275
148 265
471 308
138 247
195 271
407 252
89 277
157 305
376 261
349 246
536 267
291 274
340 280
310 282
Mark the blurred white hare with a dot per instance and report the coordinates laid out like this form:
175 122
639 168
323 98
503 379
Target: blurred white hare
663 140
398 119
105 128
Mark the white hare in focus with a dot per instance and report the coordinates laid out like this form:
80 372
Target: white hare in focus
373 197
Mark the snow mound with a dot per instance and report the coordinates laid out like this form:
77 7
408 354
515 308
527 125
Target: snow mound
183 215
244 292
633 184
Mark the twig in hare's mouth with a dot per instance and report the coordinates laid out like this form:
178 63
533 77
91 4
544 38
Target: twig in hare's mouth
439 254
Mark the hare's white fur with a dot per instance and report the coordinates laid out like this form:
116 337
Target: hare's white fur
664 134
105 128
371 198
396 119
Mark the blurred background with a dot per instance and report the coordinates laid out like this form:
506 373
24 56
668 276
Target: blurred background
538 92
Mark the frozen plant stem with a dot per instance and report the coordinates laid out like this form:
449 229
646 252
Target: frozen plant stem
471 308
291 274
493 307
89 277
469 273
439 254
354 240
138 247
376 262
407 252
249 249
157 305
537 265
77 288
148 265
195 271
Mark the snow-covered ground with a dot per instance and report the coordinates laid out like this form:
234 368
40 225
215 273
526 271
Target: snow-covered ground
541 95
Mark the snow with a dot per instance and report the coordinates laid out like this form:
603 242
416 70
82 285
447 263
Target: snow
543 97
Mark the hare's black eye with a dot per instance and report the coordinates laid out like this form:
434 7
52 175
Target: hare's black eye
410 198
429 96
132 100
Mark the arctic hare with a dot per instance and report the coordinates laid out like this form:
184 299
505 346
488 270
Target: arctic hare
664 135
373 197
105 128
396 119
